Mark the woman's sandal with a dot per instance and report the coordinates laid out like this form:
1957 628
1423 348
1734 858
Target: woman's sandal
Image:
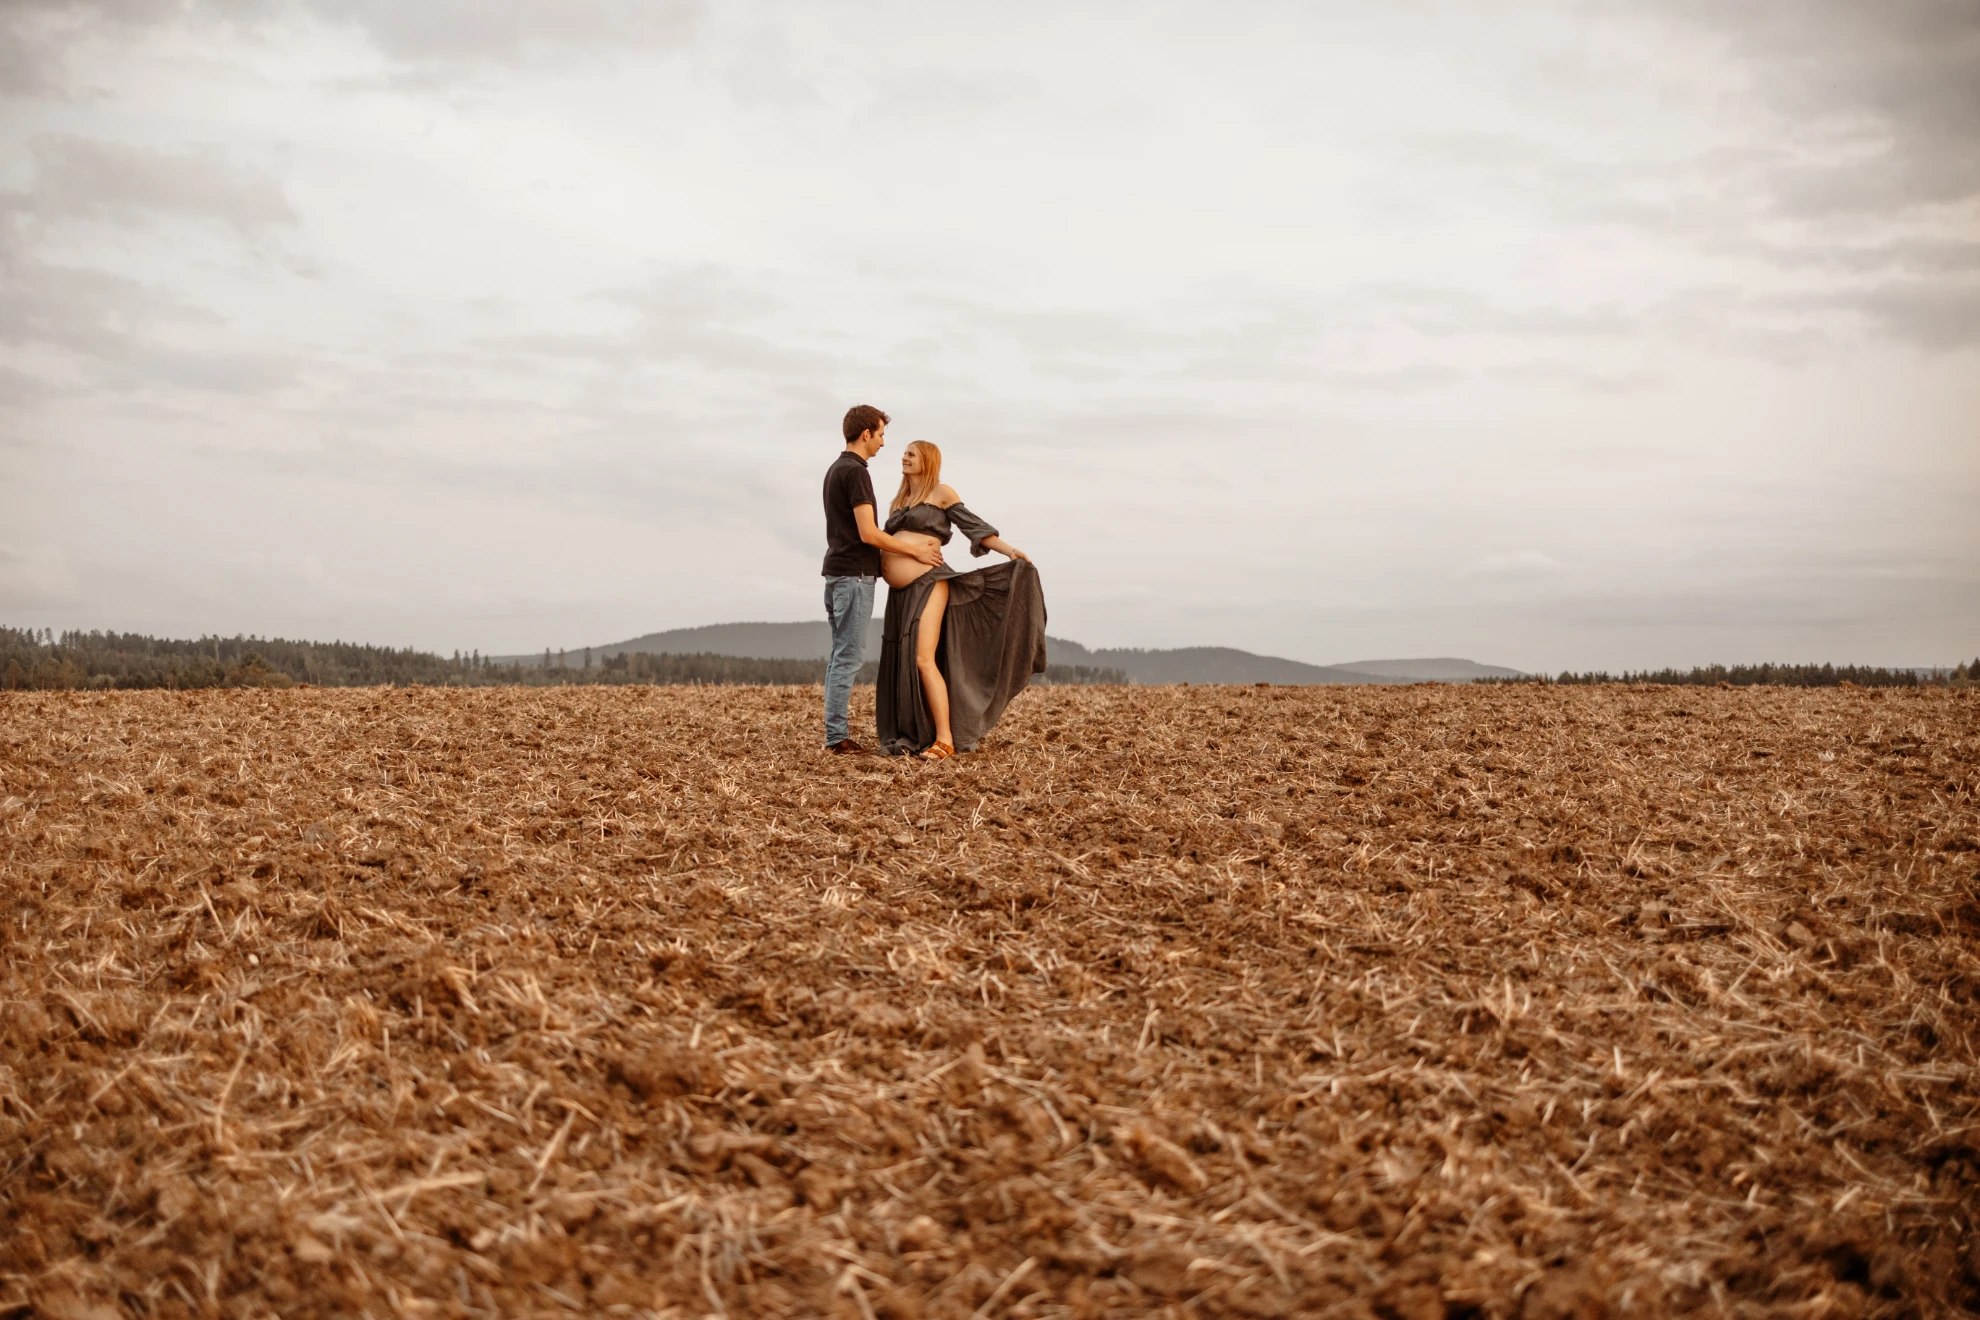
938 751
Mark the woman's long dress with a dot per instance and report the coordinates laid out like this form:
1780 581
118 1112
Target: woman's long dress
993 638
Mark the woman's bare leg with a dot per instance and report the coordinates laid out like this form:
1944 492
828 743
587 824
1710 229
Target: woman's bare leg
934 688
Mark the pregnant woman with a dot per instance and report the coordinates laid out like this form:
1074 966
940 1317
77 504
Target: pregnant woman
956 647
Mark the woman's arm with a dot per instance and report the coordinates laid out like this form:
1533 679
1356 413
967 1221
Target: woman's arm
1003 547
982 536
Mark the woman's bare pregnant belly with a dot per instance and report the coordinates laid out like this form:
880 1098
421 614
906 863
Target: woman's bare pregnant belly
899 570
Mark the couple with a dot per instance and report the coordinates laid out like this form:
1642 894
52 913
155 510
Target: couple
956 646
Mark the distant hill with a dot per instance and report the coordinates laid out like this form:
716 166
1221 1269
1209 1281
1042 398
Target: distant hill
1207 664
812 640
752 641
765 641
1442 670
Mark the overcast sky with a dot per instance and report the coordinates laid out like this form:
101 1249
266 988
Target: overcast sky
1548 334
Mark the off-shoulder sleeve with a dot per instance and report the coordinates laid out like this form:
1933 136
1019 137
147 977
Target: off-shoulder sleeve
971 526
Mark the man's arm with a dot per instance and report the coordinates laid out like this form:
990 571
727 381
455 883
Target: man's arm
869 532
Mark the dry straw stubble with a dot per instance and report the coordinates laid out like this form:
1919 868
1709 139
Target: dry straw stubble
1398 1001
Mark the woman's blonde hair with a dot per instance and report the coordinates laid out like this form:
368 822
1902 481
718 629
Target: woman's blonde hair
917 488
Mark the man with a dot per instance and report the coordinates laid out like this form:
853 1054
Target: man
853 542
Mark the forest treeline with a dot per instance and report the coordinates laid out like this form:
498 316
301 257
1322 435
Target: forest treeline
99 660
31 659
1771 675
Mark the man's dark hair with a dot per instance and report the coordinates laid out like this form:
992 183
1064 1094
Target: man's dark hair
862 419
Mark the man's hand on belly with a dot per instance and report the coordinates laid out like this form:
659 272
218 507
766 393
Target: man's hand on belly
922 548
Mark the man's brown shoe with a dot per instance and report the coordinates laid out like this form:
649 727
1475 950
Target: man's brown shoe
847 747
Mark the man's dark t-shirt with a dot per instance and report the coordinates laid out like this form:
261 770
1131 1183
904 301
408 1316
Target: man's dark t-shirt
847 484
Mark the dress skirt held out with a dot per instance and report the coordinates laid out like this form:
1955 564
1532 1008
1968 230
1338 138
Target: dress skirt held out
993 638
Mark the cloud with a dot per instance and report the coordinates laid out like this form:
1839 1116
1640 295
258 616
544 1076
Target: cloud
1780 599
85 311
35 577
27 65
1222 313
423 43
1931 314
449 31
21 387
1516 563
1516 575
1884 97
1557 370
116 331
1911 256
78 178
122 331
37 35
712 317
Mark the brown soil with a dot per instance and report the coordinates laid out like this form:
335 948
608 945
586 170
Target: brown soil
1402 1002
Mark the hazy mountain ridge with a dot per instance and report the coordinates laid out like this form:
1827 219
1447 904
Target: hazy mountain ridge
812 640
754 641
1431 669
1208 664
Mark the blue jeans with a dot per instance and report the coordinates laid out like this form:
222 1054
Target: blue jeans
849 605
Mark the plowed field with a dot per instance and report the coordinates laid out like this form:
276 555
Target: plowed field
1407 1002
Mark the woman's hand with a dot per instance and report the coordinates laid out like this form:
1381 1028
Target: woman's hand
1003 547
